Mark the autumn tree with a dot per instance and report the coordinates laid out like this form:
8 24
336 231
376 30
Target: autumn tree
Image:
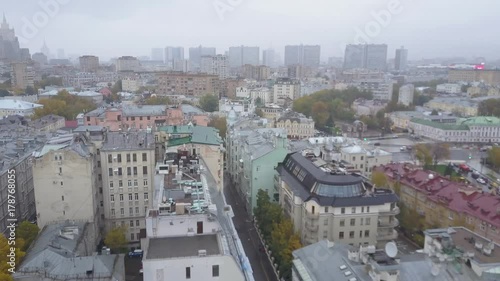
283 242
432 153
267 213
379 179
65 105
259 112
209 103
157 101
28 232
320 113
5 259
220 123
423 155
117 87
115 239
494 156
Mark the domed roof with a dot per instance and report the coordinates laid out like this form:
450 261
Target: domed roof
232 116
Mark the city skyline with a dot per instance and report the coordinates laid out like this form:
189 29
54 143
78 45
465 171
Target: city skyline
133 29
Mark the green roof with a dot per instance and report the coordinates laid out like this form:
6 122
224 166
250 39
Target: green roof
442 126
178 141
198 134
481 121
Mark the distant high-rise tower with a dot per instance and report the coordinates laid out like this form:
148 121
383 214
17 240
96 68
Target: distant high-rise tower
174 55
401 61
45 50
196 53
9 44
216 65
157 54
241 55
306 55
369 56
269 58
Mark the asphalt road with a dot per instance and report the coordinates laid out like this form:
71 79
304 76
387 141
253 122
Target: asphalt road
262 269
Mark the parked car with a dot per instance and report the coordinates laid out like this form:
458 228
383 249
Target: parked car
475 175
135 253
403 148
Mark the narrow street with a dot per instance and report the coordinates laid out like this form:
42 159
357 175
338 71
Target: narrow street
262 269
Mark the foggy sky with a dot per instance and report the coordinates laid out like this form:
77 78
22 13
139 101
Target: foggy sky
111 28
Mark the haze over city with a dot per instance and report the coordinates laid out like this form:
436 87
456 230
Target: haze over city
111 28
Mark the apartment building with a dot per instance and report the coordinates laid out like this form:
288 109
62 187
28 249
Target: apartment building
256 72
127 63
127 162
215 65
141 117
406 94
326 202
286 89
48 123
241 55
296 125
308 55
89 63
365 159
22 75
253 152
178 83
368 107
66 176
480 129
490 77
264 94
449 88
445 203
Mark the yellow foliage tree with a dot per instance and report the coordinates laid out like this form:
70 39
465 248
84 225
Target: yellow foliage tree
115 239
379 179
8 264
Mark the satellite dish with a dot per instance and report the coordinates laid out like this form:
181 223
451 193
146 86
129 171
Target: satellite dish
391 249
317 151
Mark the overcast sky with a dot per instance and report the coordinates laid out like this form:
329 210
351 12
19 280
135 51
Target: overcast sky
111 28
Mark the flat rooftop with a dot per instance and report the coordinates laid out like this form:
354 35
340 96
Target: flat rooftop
185 246
461 240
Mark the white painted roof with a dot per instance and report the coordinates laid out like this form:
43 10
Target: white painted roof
18 104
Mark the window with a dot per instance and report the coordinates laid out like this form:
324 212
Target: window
137 223
98 164
130 197
129 183
341 235
135 171
137 210
60 170
119 158
129 171
112 212
353 210
188 272
110 172
119 171
353 222
132 236
62 197
144 170
136 196
128 157
367 209
122 211
326 209
342 210
342 222
362 219
145 182
110 158
362 209
362 157
361 234
121 197
144 157
351 234
325 222
120 183
215 271
112 198
146 196
367 221
134 157
131 223
367 233
130 211
135 182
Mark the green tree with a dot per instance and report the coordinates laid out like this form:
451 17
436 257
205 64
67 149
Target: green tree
494 156
117 87
28 232
220 123
157 101
209 103
434 112
423 154
489 107
379 179
320 114
258 102
259 112
115 239
30 91
266 213
4 93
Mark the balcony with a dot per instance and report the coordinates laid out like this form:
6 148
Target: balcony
312 216
393 212
387 235
312 227
388 224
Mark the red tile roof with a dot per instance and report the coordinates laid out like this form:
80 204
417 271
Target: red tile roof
71 124
458 197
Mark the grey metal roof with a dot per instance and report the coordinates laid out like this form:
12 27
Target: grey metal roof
185 246
128 141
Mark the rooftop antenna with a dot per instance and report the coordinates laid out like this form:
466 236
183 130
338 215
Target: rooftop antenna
391 249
